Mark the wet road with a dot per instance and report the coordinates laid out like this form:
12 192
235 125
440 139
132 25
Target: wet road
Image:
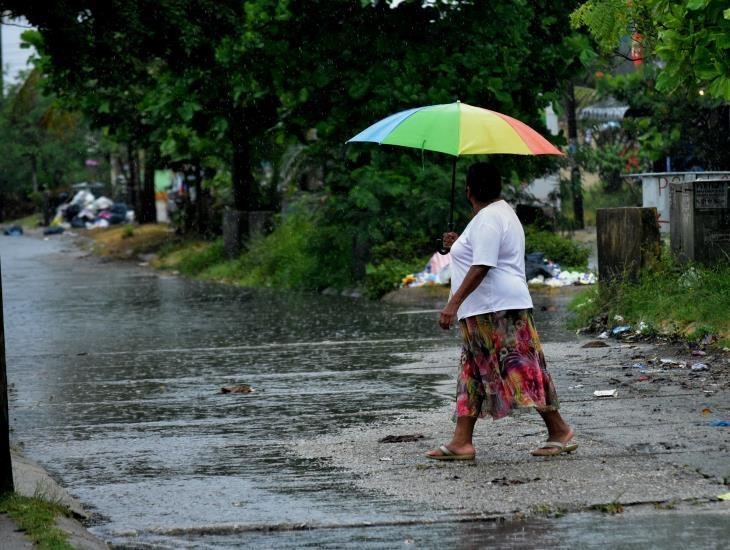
116 374
117 371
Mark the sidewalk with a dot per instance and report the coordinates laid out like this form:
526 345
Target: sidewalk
32 480
653 444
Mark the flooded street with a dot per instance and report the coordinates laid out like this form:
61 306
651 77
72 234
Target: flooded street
116 374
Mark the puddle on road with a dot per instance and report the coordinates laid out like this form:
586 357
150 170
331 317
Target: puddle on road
117 376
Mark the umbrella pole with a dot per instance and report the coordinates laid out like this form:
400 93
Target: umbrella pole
443 250
453 190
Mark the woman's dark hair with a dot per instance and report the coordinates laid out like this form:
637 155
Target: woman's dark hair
484 181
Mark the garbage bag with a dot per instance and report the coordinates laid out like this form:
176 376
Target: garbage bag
13 231
535 265
78 223
53 230
103 203
71 212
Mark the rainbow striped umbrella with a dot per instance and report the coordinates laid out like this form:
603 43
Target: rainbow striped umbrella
457 129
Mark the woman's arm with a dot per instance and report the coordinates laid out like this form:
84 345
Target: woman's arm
472 280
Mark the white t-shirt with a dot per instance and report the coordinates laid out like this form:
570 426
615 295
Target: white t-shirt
494 237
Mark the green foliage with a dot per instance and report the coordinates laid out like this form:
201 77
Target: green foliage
556 248
37 518
690 128
690 37
686 300
42 145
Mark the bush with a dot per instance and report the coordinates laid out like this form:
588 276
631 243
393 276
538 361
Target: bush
301 253
387 275
558 249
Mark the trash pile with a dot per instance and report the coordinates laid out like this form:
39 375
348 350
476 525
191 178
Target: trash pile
436 272
541 271
85 211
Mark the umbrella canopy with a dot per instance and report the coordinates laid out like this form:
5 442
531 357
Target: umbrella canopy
457 129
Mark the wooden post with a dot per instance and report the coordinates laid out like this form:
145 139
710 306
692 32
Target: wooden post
628 240
6 465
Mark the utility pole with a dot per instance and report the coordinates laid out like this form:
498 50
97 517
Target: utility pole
2 68
576 188
6 464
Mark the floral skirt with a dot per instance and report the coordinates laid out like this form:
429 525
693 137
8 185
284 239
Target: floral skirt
502 366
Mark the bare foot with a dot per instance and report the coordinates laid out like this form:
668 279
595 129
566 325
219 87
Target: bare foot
457 449
563 437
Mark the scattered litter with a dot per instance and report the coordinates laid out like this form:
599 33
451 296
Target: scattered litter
595 344
706 410
642 378
620 329
638 366
618 318
700 366
386 459
577 386
13 231
401 438
54 230
720 423
436 272
667 361
643 328
503 481
606 393
724 496
603 336
238 388
698 353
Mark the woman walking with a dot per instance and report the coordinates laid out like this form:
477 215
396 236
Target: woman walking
502 366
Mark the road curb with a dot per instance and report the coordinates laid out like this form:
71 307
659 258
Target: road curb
32 480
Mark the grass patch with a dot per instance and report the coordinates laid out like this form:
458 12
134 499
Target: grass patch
690 301
191 258
548 510
127 241
610 508
37 518
29 222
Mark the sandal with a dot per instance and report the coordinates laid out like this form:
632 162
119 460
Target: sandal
559 445
448 454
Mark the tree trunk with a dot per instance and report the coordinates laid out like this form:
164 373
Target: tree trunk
147 207
34 172
133 179
575 179
6 465
201 204
241 173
